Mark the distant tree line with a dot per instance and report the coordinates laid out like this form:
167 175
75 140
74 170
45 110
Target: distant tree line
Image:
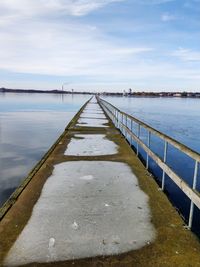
129 93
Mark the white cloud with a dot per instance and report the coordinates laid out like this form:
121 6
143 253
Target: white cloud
167 17
187 54
155 2
38 7
57 46
54 48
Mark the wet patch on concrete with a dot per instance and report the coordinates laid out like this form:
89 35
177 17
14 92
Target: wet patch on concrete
84 213
93 115
93 122
91 145
96 111
93 108
93 105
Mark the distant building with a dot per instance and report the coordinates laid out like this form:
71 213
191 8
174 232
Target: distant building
124 93
177 95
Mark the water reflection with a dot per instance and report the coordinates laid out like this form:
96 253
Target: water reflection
29 125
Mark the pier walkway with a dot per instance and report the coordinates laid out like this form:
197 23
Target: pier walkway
91 202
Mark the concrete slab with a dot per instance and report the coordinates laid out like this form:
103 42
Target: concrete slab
93 101
93 112
84 213
93 122
93 105
92 115
91 145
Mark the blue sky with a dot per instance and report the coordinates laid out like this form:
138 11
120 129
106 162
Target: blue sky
109 45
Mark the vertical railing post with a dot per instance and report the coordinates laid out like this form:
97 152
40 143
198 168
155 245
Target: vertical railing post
117 119
118 116
138 135
164 160
126 127
121 123
123 118
148 144
193 187
131 132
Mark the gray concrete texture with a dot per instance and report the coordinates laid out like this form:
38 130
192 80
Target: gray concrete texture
86 209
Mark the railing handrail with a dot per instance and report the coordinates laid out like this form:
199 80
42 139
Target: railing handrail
190 191
185 149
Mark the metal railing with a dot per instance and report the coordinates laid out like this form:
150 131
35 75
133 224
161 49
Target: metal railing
124 122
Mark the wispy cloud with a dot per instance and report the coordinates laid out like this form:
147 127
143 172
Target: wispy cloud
70 7
187 54
155 2
55 48
167 17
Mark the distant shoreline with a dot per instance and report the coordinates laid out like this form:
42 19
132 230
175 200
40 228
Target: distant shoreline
132 94
33 91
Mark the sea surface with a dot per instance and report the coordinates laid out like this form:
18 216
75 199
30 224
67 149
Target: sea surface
29 125
179 118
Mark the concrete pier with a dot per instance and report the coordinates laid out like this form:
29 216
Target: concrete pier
91 202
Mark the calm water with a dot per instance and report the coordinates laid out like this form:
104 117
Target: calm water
180 119
29 125
176 117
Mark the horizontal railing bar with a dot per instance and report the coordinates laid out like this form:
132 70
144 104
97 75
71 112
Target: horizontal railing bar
191 193
183 148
